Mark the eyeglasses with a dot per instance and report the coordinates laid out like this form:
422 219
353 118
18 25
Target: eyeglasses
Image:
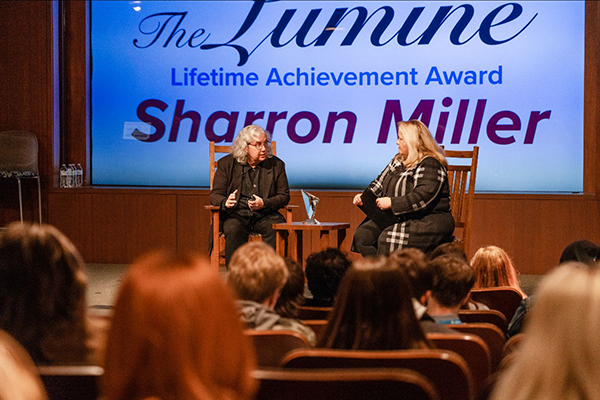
262 145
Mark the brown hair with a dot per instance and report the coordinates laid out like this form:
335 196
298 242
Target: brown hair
493 267
292 293
453 278
413 263
256 271
373 310
42 291
176 334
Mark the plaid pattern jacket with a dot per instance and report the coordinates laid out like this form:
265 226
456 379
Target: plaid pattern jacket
421 201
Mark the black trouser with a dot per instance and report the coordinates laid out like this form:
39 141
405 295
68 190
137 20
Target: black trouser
237 229
366 237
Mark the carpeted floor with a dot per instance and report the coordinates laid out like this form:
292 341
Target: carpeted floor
104 281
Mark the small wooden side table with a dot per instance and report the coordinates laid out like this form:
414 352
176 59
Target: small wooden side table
296 230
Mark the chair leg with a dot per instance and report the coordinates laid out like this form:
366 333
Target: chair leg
20 199
40 198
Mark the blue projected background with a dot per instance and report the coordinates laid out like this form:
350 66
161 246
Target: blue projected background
330 79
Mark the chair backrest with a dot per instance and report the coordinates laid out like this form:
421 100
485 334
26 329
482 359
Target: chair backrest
271 346
461 179
81 382
448 372
488 316
364 384
491 335
317 325
18 152
470 347
504 299
219 149
307 312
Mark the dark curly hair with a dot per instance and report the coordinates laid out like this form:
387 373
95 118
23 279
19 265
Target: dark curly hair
324 272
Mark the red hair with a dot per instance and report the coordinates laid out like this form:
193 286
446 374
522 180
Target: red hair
176 334
493 268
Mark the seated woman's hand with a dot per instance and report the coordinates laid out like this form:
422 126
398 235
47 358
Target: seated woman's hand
357 201
385 203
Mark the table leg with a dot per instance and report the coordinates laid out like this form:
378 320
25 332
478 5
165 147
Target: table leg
341 239
279 243
299 244
324 239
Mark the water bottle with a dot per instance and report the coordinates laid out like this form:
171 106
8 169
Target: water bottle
69 181
79 175
63 176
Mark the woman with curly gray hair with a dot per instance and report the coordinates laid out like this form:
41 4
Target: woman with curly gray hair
249 186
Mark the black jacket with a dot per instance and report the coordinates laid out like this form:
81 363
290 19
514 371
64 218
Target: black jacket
273 189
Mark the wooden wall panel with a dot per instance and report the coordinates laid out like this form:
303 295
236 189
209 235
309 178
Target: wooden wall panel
193 222
534 232
71 212
26 90
124 227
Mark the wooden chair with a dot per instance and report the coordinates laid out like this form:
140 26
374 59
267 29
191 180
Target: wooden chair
271 346
461 179
71 382
470 347
365 384
217 256
484 316
317 325
19 160
306 312
491 335
504 299
448 371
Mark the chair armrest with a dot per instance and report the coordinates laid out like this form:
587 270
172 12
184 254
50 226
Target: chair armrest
212 208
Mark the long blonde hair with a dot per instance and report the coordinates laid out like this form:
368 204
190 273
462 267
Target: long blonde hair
560 357
420 143
493 267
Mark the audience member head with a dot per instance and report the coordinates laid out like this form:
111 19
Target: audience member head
559 357
449 249
176 334
257 273
250 134
453 278
373 310
419 143
582 251
292 294
42 292
18 377
413 263
493 268
324 272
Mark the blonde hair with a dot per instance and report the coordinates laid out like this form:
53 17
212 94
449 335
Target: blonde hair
246 136
256 271
560 357
176 334
493 268
19 379
420 143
